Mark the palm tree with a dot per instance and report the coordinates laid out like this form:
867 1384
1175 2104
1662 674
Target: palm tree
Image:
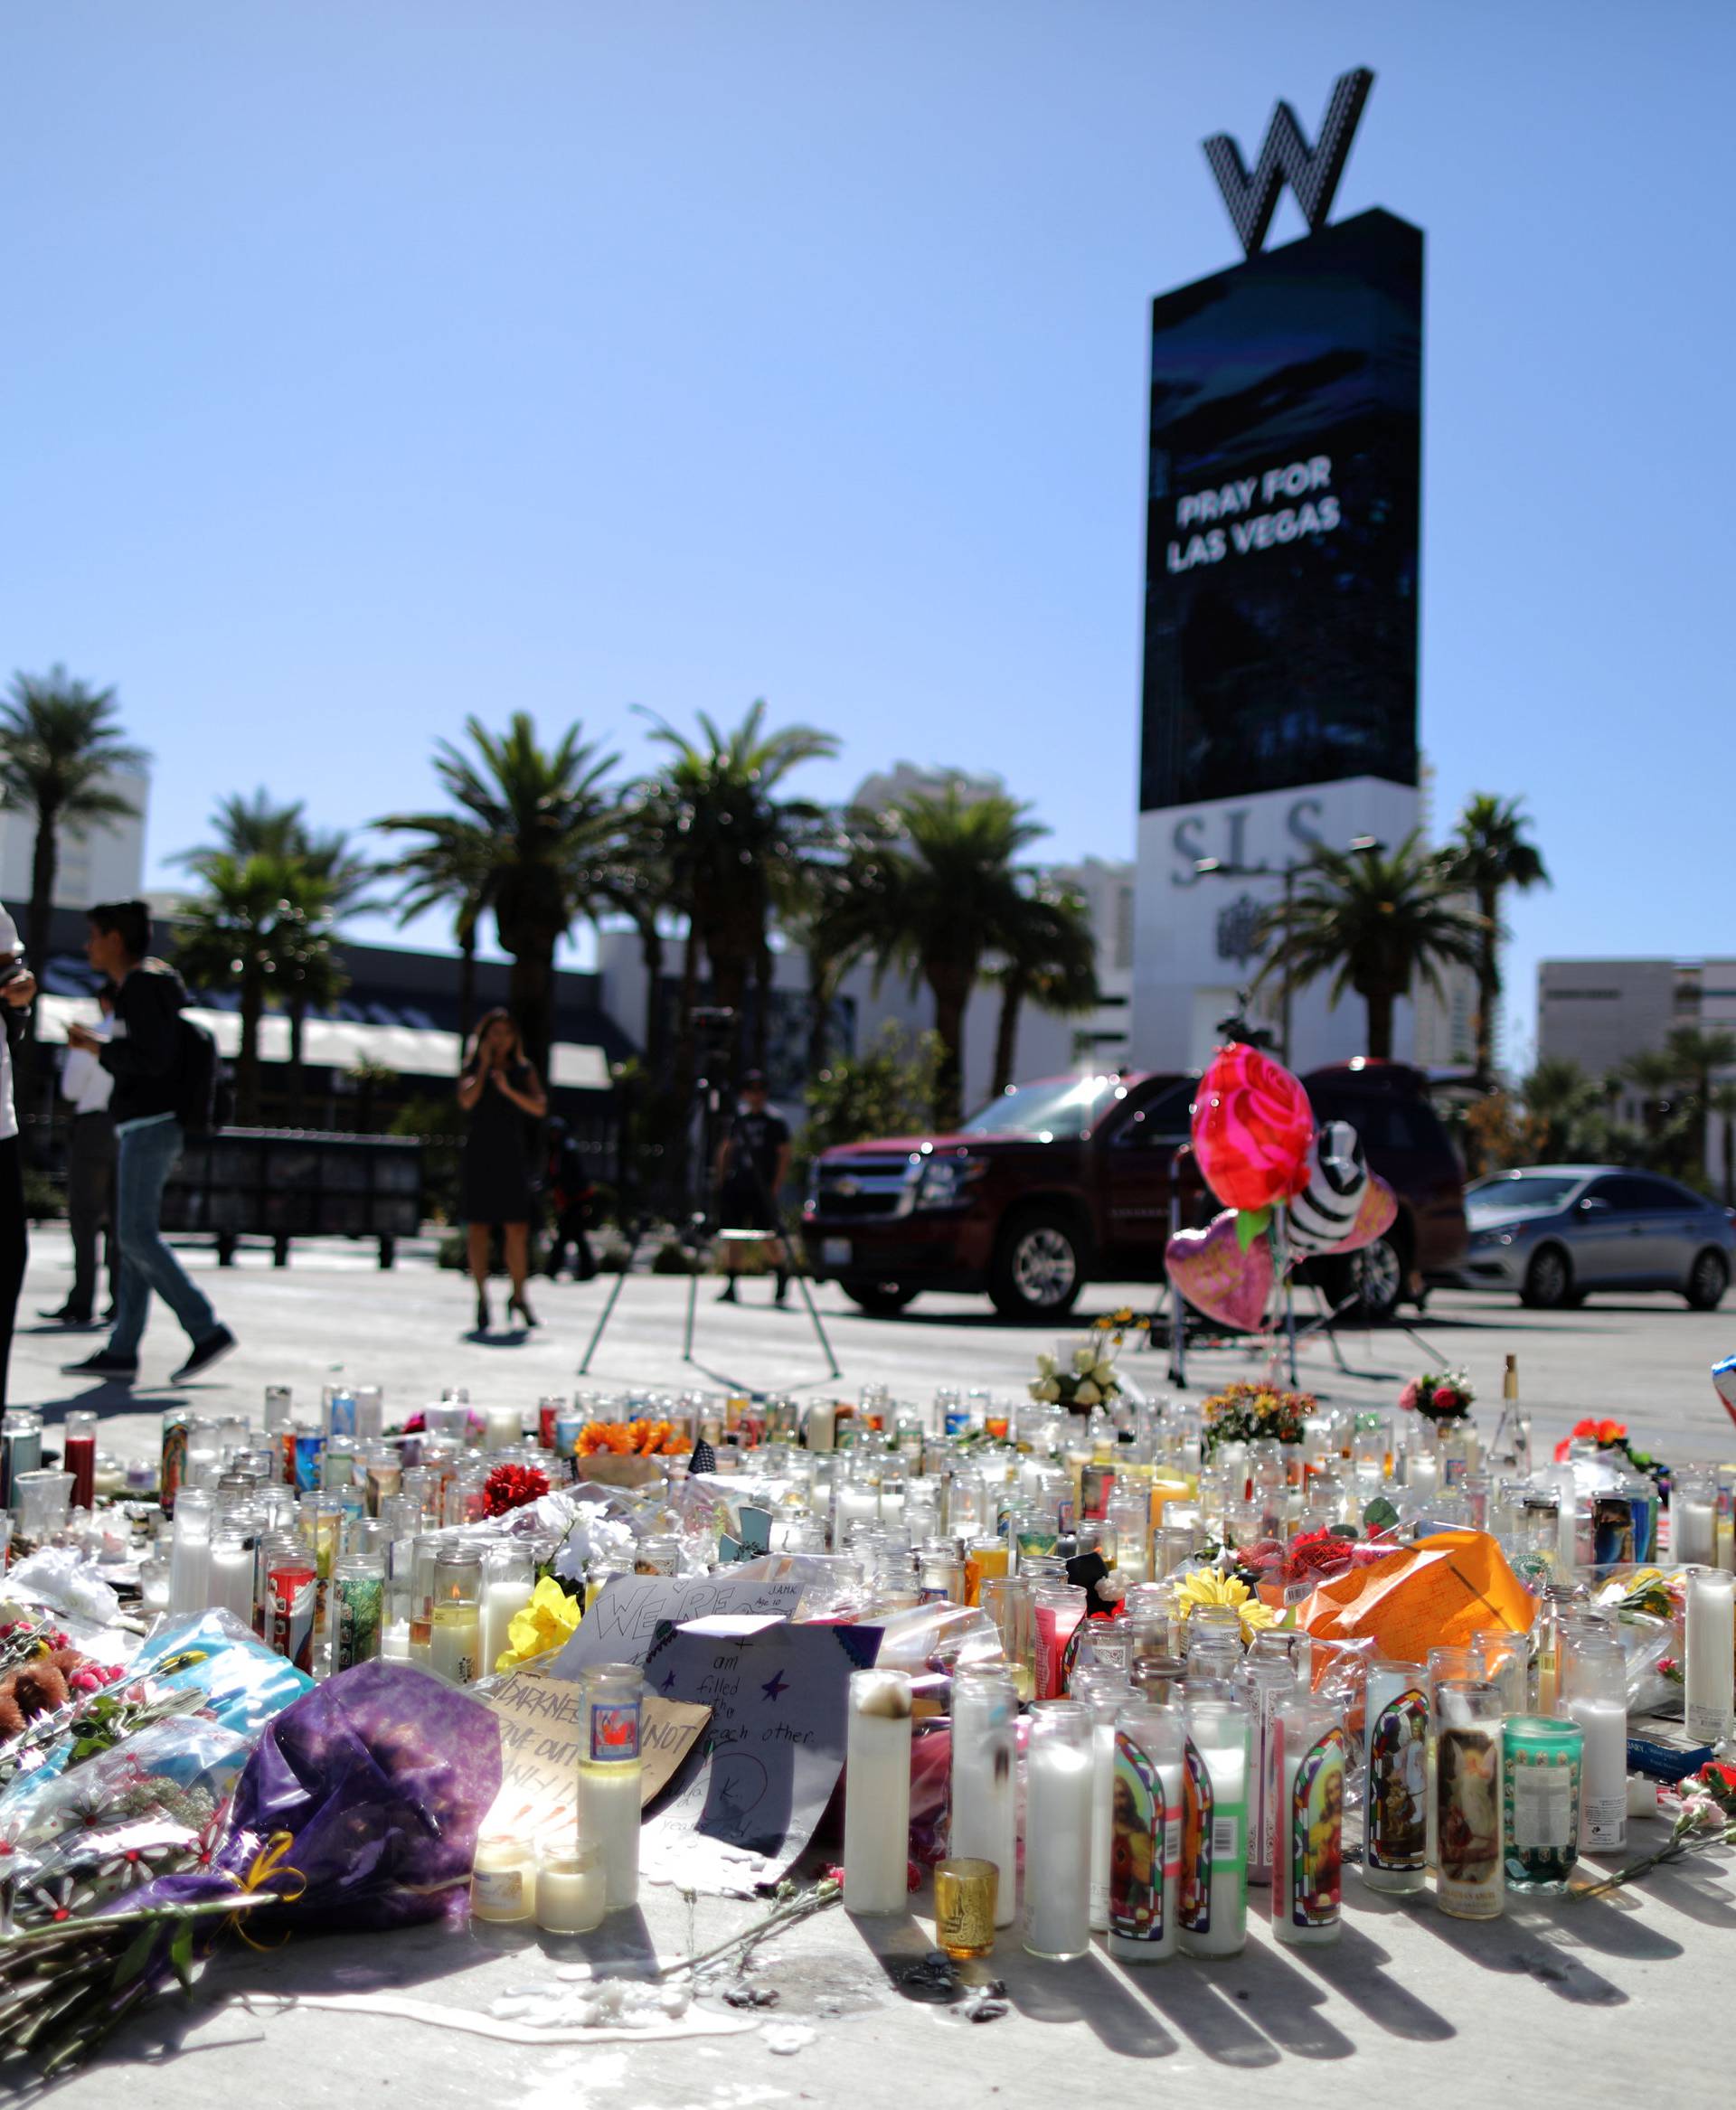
1490 851
1698 1054
1565 1110
59 740
946 895
545 814
1050 958
1378 921
1657 1076
734 848
233 935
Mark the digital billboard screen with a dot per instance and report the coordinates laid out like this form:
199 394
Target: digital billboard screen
1281 555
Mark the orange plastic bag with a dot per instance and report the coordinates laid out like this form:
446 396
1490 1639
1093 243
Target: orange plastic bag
1444 1589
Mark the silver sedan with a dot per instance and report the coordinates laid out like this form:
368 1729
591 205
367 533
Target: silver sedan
1555 1234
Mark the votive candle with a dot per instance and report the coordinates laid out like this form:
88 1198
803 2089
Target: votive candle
877 1794
1145 1850
1213 1908
985 1824
1308 1757
1059 1770
1711 1654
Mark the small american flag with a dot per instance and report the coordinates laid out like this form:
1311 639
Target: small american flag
704 1458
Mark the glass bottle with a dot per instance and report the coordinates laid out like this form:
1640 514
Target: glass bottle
1059 1771
1540 1762
1465 1797
1145 1847
1309 1755
877 1794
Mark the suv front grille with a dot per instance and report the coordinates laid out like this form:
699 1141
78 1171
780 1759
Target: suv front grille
864 1187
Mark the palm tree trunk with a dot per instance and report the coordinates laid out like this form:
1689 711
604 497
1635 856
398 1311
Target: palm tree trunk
1006 1033
1489 983
761 1004
44 863
729 989
530 991
819 1011
651 954
297 1114
247 1060
1729 1161
1380 1024
951 992
467 977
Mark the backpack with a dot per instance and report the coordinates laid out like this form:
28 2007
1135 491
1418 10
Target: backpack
205 1102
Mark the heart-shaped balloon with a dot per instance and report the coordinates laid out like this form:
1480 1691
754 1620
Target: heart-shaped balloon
1326 1210
1252 1125
1217 1277
1377 1213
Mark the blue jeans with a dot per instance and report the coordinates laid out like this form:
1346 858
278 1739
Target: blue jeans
144 1160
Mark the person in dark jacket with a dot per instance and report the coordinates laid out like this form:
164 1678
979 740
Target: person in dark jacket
146 1054
18 986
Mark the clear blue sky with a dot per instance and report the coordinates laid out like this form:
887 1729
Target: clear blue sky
370 364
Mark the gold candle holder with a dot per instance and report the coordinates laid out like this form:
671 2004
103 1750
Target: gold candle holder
964 1907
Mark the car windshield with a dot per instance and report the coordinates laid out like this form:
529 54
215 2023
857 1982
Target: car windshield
1065 1105
1529 1194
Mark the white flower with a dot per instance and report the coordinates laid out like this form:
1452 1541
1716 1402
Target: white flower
1087 1395
1084 1360
1046 1365
1103 1372
1050 1390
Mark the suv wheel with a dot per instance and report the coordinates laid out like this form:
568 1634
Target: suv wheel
1378 1273
1549 1280
1039 1266
880 1300
1708 1279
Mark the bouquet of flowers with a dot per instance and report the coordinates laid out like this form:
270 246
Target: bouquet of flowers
1245 1413
510 1487
1441 1395
631 1439
1088 1377
1610 1436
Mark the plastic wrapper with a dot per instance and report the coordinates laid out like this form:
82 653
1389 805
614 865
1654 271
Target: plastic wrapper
930 1642
1446 1589
241 1682
178 1770
60 1579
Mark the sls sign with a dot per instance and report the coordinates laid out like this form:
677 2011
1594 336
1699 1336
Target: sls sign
1312 172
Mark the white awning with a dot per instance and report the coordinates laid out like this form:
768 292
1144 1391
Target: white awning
330 1044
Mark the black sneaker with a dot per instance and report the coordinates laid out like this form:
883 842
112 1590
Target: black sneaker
124 1369
726 1295
207 1351
65 1316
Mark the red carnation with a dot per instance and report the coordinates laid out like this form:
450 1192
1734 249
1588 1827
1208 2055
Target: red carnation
1446 1398
510 1487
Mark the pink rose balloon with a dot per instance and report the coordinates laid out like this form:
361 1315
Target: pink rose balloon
1252 1125
1377 1213
1217 1277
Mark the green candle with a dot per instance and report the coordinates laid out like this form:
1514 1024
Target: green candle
1540 1800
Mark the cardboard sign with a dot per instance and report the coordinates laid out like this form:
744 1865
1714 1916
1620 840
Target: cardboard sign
620 1626
778 1700
539 1722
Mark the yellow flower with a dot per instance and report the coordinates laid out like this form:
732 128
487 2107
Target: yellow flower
1205 1585
544 1623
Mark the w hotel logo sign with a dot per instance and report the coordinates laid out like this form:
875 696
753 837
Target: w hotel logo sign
1312 173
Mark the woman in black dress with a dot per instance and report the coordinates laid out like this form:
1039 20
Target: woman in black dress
503 1097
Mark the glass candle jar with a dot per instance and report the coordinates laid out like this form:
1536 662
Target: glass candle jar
1145 1842
984 1823
1541 1761
1059 1774
1594 1694
455 1614
1264 1682
503 1882
1710 1653
877 1792
965 1916
1212 1911
358 1600
79 1449
43 1500
571 1888
291 1596
1058 1610
1694 1516
610 1774
190 1552
1010 1602
1105 1692
1309 1754
1467 1798
508 1583
1395 1775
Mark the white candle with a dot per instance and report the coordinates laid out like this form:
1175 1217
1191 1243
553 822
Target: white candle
232 1563
1213 1909
1711 1654
571 1891
1147 1865
608 1819
454 1643
503 1599
1308 1855
503 1882
877 1794
502 1427
984 1823
1265 1685
394 1642
1693 1531
1059 1777
1603 1796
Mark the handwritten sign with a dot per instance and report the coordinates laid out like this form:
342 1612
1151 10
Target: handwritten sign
621 1626
539 1721
778 1695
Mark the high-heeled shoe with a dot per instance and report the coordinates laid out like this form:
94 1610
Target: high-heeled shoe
484 1317
516 1303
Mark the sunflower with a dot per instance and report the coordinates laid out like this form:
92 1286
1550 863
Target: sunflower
1205 1585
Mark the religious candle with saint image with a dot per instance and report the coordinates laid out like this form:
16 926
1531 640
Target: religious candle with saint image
1212 1911
1308 1757
1145 1844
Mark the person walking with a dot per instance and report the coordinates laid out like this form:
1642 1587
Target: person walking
18 986
752 1165
90 1175
571 1194
500 1091
147 1053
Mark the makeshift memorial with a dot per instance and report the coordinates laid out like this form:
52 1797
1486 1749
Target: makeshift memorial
1252 1125
1222 1270
1084 1376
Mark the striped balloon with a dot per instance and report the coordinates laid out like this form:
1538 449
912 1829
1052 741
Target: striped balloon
1326 1210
